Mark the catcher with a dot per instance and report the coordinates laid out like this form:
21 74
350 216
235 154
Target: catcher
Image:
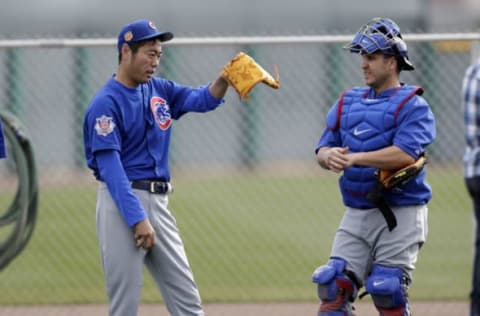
127 130
376 136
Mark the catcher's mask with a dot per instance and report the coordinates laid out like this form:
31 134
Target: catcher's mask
381 34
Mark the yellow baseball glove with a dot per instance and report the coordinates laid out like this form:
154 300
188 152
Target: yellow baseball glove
391 179
243 73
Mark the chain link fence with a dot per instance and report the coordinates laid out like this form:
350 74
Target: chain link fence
256 212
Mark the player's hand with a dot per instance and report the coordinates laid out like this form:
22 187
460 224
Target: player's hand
144 234
336 159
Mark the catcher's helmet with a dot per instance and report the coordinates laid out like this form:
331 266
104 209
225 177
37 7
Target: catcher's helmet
381 34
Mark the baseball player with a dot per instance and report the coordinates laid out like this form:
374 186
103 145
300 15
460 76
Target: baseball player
127 136
3 152
385 125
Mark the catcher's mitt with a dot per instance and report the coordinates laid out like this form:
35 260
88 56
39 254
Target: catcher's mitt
391 179
243 73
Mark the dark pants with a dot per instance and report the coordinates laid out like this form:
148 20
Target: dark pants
473 186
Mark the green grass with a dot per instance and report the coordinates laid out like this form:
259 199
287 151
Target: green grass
248 237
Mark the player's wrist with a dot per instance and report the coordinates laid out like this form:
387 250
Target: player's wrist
322 157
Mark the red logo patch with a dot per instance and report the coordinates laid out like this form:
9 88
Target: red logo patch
161 112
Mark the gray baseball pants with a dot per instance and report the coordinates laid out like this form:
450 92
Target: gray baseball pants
123 262
363 239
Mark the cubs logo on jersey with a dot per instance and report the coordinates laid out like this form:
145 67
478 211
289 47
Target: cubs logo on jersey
161 112
104 125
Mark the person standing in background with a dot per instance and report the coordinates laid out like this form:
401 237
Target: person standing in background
471 160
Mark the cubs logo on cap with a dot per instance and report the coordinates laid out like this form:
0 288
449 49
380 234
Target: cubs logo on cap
152 25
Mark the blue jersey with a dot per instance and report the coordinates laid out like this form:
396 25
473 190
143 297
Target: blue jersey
127 134
367 122
136 122
3 152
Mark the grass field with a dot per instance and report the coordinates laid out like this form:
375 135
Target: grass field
250 238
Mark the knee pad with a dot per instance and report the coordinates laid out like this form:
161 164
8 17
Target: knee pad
388 288
336 289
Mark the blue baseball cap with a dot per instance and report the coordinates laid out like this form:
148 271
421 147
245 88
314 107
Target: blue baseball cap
141 30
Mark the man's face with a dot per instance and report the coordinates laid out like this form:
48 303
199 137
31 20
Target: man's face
378 70
141 66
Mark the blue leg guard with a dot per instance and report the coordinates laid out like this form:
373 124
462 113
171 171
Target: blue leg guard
388 287
335 289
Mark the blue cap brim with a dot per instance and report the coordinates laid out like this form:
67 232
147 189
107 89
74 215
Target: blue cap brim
162 36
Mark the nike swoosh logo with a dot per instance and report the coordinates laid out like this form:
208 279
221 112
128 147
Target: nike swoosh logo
377 283
357 132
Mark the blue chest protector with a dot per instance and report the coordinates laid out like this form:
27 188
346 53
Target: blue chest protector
364 125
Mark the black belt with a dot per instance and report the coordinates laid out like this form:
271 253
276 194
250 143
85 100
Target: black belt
158 187
376 196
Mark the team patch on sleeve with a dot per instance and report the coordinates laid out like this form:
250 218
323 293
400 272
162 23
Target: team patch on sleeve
104 125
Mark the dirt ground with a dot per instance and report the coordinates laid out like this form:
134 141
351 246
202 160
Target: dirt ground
283 309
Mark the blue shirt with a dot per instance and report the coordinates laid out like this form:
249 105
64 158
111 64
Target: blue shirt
127 134
471 110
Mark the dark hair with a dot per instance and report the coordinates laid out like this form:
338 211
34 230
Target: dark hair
135 46
400 63
399 60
